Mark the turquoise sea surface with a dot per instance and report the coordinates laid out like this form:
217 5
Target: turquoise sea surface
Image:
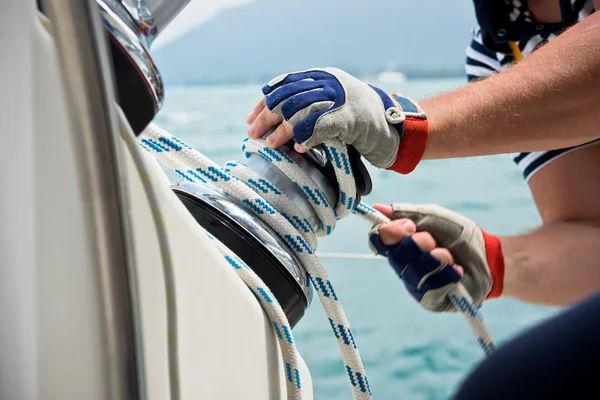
409 353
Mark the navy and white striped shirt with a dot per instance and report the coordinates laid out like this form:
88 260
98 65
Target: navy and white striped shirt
483 62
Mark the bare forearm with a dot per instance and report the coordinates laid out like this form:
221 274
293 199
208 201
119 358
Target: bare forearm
547 101
560 277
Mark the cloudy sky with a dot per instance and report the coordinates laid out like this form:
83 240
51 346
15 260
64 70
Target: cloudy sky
196 13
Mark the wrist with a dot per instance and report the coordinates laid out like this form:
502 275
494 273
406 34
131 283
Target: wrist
413 139
495 259
446 125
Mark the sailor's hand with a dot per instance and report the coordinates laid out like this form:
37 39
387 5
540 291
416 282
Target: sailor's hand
432 249
390 131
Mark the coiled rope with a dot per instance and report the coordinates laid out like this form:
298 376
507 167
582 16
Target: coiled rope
273 207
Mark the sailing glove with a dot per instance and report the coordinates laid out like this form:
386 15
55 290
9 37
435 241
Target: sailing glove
427 279
390 131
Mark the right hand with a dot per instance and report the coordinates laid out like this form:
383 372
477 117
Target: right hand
432 249
390 131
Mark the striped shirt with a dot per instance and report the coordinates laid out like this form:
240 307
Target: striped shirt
483 62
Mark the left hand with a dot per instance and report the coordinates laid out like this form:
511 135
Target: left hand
426 261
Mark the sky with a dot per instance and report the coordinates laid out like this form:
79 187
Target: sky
196 13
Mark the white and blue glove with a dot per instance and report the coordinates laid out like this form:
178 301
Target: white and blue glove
426 256
390 131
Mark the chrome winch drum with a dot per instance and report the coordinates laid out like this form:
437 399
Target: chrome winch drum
257 244
131 26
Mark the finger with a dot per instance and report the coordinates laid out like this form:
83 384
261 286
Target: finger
286 93
289 78
280 136
263 123
256 110
459 269
300 149
384 209
427 216
396 231
302 105
416 212
443 255
424 240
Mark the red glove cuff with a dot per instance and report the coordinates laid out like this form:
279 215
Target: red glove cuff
414 136
495 260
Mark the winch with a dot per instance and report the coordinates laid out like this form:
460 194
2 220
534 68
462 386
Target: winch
257 244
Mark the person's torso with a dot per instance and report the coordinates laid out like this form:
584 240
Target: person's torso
488 53
522 21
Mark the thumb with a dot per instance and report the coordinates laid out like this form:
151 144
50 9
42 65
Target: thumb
384 209
444 225
415 212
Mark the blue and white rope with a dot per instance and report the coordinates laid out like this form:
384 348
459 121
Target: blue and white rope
463 301
277 316
272 206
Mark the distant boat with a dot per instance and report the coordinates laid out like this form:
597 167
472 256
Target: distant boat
391 76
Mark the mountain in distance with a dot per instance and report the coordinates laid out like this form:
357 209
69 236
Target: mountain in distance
265 38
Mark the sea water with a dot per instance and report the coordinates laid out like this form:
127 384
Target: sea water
409 353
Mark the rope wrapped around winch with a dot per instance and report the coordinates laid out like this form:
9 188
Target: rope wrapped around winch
273 207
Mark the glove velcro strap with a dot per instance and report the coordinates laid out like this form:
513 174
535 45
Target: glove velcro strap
495 260
415 135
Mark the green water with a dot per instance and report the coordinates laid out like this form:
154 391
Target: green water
409 353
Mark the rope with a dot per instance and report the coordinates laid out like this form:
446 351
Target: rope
276 315
272 206
351 256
